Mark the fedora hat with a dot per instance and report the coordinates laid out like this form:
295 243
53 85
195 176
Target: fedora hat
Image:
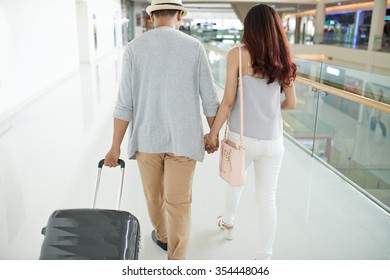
157 5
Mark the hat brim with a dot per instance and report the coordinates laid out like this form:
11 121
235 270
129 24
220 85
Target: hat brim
150 9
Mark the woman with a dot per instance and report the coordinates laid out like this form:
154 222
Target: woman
267 70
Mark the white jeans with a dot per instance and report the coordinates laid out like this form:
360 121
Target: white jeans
267 156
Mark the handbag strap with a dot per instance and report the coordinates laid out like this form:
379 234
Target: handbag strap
241 94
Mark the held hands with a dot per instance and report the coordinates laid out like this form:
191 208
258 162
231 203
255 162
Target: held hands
211 143
112 157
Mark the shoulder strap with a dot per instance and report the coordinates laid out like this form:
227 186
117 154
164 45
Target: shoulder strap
241 96
241 93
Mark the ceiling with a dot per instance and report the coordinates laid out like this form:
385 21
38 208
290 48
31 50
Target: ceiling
224 8
288 6
280 7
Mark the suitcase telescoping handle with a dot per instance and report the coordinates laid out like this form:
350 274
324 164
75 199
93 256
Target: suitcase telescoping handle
100 166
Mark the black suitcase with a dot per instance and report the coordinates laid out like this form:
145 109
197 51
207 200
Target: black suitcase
92 234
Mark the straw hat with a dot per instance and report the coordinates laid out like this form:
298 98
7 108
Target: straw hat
157 5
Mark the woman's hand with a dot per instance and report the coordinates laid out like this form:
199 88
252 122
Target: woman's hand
211 143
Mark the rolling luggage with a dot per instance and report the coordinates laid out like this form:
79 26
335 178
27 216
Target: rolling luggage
92 234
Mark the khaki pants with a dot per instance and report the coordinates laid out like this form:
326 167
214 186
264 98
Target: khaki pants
167 183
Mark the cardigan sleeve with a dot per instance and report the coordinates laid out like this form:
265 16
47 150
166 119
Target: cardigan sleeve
208 93
124 104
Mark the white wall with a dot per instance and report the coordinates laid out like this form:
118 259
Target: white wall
137 9
39 44
4 51
105 12
38 47
84 32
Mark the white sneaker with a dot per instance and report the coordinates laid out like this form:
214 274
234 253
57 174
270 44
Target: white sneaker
225 227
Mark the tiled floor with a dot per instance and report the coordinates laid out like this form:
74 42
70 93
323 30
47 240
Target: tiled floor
48 160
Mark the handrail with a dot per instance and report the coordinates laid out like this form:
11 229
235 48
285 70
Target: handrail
332 90
347 95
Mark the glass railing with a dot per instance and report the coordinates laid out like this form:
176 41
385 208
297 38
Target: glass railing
309 69
233 36
226 36
330 38
370 85
342 118
382 43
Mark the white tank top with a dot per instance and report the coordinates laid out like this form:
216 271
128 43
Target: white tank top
262 112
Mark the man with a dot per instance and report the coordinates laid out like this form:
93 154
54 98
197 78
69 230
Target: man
165 75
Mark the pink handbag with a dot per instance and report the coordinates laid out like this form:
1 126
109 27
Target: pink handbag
232 155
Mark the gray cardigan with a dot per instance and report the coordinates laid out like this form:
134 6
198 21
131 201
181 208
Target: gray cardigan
166 79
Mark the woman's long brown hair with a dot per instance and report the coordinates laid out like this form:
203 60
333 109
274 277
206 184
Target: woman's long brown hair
267 43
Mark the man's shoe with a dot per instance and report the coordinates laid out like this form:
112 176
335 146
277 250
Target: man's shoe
225 227
160 244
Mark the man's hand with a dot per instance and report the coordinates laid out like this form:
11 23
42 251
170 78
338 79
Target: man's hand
112 157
